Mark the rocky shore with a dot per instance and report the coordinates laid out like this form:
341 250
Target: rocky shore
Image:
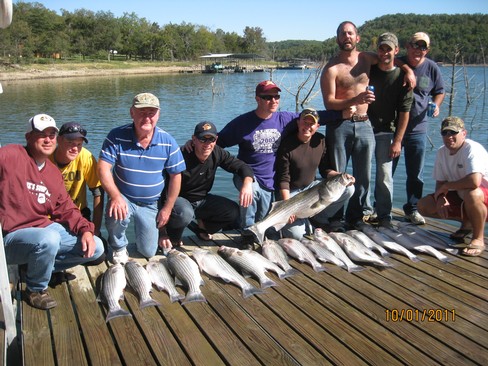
12 72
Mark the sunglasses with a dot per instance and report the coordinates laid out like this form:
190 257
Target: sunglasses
270 97
416 46
72 129
449 133
42 135
205 140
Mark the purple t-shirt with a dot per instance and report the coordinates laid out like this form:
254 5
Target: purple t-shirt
258 141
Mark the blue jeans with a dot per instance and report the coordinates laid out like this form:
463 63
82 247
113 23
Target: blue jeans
301 227
216 212
46 250
146 231
261 203
414 146
383 189
353 140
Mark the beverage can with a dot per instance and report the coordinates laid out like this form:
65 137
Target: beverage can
430 109
370 88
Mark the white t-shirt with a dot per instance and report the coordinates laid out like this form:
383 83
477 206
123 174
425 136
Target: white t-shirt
470 158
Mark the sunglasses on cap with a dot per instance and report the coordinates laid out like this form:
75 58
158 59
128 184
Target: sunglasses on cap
449 133
417 46
205 140
270 97
72 129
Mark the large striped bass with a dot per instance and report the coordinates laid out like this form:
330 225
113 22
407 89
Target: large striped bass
186 273
112 291
214 265
303 205
247 264
276 254
139 280
161 278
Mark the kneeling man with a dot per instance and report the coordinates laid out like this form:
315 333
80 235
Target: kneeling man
461 174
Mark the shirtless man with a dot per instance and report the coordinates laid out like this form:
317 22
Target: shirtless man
343 83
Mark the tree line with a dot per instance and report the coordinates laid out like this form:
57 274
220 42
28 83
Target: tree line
39 33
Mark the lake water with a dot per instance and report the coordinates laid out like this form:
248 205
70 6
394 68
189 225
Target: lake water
101 103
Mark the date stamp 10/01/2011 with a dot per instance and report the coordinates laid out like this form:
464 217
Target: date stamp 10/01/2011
416 315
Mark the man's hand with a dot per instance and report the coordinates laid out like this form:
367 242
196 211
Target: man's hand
188 146
245 194
118 208
163 240
163 217
88 244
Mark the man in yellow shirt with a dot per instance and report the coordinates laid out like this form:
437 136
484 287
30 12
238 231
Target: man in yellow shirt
79 169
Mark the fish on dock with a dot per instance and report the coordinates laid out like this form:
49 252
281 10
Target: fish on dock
388 243
112 291
276 254
408 243
367 242
186 273
322 253
357 251
245 262
139 280
326 239
161 278
419 234
214 265
303 205
299 251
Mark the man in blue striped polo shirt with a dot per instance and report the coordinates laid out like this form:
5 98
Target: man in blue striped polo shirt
132 166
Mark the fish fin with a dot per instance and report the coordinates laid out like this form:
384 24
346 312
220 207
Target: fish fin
316 205
290 272
251 290
268 283
319 268
148 302
176 296
355 268
117 313
194 297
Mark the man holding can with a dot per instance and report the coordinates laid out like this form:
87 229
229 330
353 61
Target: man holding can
389 116
429 84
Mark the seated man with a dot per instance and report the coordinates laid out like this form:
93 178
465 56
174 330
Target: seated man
298 158
212 212
79 169
41 225
461 194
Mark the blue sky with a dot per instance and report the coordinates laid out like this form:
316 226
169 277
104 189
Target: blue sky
279 19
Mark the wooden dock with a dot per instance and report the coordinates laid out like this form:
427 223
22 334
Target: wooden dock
425 313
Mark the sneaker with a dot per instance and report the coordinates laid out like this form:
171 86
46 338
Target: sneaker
386 223
40 300
247 241
416 218
120 256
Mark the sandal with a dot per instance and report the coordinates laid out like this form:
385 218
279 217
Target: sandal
201 233
460 234
478 248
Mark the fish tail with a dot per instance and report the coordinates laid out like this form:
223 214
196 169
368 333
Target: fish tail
251 290
319 268
268 283
290 272
414 258
355 268
194 297
148 302
176 296
258 233
117 313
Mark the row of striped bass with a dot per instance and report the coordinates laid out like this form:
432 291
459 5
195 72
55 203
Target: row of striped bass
249 264
276 254
161 278
409 243
187 274
299 251
387 242
303 205
329 242
357 251
214 265
321 252
419 234
112 291
139 280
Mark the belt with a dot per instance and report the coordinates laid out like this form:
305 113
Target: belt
359 118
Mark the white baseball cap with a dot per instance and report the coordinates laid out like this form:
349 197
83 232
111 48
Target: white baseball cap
40 122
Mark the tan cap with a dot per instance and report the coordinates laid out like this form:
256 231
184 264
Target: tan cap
145 100
420 36
452 123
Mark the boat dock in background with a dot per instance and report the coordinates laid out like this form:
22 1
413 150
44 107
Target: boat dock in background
424 313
